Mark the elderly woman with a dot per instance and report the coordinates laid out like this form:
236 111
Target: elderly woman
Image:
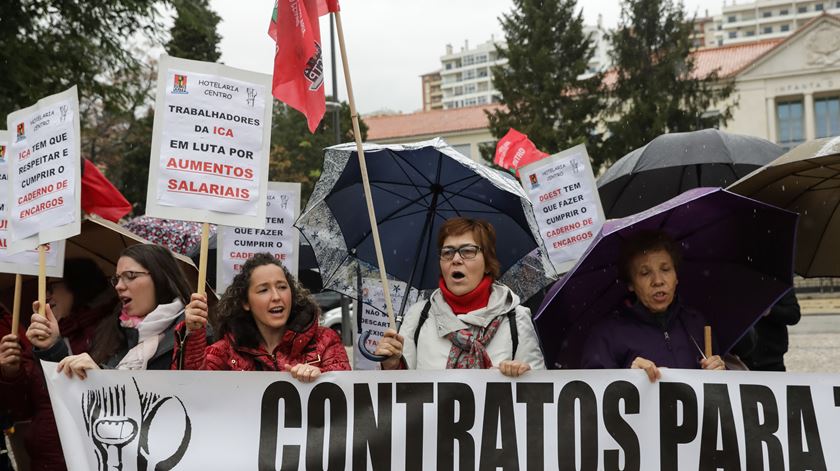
651 328
471 320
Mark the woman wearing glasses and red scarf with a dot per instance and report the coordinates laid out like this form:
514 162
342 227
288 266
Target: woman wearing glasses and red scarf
265 321
152 291
471 320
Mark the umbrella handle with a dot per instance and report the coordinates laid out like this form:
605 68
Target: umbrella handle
362 343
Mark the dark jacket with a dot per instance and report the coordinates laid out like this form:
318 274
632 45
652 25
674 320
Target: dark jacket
303 342
27 394
633 331
772 335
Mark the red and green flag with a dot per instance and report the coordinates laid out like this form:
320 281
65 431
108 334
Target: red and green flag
298 68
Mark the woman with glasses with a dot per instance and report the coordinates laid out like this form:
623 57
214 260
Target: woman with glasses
76 304
471 320
152 291
266 321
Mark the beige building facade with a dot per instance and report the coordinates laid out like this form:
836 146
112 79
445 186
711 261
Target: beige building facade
791 92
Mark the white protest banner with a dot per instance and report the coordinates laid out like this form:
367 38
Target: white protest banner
26 262
44 169
452 419
372 320
210 144
566 204
235 245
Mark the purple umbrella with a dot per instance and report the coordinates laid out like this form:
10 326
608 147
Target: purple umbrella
737 262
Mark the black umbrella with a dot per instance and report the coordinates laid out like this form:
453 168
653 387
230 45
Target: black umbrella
673 163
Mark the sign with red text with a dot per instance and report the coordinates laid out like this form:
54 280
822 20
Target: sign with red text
25 262
210 144
566 204
44 171
450 419
235 245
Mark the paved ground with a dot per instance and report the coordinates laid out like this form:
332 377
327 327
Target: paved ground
815 344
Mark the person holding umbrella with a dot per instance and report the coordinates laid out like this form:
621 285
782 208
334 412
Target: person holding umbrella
153 291
266 322
651 328
471 320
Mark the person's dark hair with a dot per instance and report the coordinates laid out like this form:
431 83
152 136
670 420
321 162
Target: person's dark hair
482 232
85 280
169 282
649 240
231 316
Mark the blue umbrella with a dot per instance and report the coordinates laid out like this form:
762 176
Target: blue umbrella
415 188
737 262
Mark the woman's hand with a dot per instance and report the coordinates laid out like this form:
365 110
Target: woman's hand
714 362
43 331
514 368
10 355
303 372
650 368
390 346
195 314
77 365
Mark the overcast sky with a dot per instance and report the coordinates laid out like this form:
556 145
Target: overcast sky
390 43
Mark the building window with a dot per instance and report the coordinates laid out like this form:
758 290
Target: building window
827 114
818 7
784 28
802 9
750 33
767 14
837 5
768 30
789 124
732 19
733 34
783 12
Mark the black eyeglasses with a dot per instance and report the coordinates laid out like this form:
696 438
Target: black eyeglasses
467 252
127 276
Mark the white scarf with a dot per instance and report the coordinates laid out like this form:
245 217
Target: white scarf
150 331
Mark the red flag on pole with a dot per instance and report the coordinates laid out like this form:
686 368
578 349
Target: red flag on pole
515 150
100 196
298 69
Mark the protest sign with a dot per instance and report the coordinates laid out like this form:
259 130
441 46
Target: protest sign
210 144
452 419
235 245
44 166
26 262
566 204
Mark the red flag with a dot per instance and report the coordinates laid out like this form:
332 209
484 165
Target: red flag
298 69
100 197
515 150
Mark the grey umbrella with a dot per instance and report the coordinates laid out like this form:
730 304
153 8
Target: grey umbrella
806 180
673 163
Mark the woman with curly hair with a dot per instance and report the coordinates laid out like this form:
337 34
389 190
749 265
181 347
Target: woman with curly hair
265 321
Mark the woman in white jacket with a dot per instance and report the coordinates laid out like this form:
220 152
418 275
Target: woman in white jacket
471 320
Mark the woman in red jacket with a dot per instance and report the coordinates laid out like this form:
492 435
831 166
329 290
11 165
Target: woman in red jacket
266 322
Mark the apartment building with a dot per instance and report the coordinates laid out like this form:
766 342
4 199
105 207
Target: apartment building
432 93
767 19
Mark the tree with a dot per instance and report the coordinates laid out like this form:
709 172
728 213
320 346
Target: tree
656 89
298 155
545 87
50 45
194 34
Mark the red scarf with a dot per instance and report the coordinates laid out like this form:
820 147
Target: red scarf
475 299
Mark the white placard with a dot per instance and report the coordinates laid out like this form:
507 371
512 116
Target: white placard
373 321
25 262
566 204
210 144
44 174
235 245
451 419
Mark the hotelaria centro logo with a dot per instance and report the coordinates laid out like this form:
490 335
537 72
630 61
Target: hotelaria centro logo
21 134
180 85
2 153
534 183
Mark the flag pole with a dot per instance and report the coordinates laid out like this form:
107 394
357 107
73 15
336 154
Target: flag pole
202 258
16 303
357 134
